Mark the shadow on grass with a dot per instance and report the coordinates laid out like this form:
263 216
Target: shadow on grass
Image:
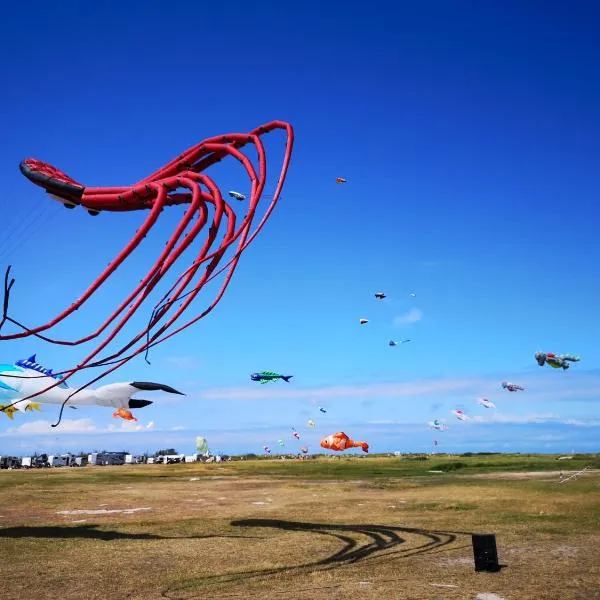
92 532
358 543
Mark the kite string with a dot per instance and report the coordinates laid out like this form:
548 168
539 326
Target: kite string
6 300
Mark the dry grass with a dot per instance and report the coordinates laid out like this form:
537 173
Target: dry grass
250 537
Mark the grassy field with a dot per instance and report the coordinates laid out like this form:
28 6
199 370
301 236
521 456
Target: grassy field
302 529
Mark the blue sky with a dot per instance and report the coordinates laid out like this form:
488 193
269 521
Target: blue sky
469 136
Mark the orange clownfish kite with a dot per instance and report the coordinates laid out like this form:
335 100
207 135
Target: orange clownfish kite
340 441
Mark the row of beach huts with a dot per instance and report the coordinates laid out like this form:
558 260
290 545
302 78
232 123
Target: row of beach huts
100 459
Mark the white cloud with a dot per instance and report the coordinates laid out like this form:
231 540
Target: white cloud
71 426
123 426
412 316
42 427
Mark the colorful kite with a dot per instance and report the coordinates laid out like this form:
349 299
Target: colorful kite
268 376
237 196
438 425
201 445
511 387
183 181
26 379
555 361
459 414
340 441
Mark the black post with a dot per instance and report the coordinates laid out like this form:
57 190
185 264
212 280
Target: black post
485 552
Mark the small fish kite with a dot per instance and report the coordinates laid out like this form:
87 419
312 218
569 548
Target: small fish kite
340 441
557 362
304 450
268 376
237 196
394 343
459 414
281 442
485 402
295 434
363 321
340 180
267 449
511 387
322 409
436 424
311 423
380 296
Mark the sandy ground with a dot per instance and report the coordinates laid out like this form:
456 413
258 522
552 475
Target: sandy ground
241 537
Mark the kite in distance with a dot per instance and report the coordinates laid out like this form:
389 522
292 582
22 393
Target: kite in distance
459 414
485 402
237 195
201 445
340 180
340 441
268 376
511 387
380 296
555 361
436 424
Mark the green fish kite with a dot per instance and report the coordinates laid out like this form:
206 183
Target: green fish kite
267 376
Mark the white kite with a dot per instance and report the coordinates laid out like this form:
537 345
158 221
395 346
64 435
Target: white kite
485 402
459 414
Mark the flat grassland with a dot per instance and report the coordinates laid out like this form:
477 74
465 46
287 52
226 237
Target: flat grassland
367 527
